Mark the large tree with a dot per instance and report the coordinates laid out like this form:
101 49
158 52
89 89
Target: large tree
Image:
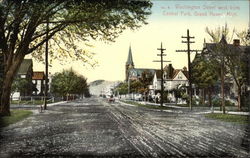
220 36
230 58
68 83
205 74
25 25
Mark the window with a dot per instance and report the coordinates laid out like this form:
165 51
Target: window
179 76
22 76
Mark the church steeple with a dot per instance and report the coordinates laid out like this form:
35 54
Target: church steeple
129 64
130 58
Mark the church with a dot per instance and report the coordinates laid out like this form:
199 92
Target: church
132 73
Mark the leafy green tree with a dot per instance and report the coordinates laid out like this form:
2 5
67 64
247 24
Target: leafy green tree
205 74
146 80
23 30
19 85
122 88
137 87
67 83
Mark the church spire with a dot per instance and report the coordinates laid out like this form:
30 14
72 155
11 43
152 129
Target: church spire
130 58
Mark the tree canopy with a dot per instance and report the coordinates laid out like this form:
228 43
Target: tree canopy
25 25
68 82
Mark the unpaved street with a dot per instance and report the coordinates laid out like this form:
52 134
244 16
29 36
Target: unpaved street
94 128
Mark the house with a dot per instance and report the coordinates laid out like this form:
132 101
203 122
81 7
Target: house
25 71
38 80
172 79
234 49
178 79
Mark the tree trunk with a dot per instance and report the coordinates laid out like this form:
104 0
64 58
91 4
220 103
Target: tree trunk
203 96
7 82
239 98
210 96
222 88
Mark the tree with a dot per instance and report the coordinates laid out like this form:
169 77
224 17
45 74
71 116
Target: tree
146 80
19 85
23 29
220 36
122 88
230 58
67 83
205 74
136 86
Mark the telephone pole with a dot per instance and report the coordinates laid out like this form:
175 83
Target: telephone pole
46 66
161 61
188 37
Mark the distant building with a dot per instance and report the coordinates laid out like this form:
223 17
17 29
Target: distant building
38 80
25 71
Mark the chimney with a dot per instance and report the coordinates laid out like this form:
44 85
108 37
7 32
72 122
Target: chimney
236 42
184 68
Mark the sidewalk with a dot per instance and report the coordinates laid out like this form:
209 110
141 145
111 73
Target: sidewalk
34 105
196 110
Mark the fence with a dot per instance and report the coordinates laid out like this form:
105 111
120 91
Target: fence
33 100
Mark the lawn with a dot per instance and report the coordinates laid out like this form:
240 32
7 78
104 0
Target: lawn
29 102
145 105
16 115
229 117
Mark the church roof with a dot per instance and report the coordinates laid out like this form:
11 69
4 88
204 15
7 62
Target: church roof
139 71
130 57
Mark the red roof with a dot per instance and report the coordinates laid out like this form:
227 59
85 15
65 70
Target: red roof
38 75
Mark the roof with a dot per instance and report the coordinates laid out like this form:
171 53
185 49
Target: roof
176 71
130 57
158 74
25 66
38 75
230 48
139 71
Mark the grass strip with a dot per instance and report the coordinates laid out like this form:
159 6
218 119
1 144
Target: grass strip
16 115
242 119
146 105
35 102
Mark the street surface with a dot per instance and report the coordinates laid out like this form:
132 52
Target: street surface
95 128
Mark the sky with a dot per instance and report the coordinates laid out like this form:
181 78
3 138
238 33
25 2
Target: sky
167 23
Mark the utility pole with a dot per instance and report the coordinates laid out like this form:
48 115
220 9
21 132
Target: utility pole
46 66
188 37
161 61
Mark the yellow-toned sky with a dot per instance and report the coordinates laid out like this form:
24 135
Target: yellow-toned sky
168 22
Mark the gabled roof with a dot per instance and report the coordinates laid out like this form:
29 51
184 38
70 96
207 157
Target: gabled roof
177 71
230 48
158 74
38 75
25 66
